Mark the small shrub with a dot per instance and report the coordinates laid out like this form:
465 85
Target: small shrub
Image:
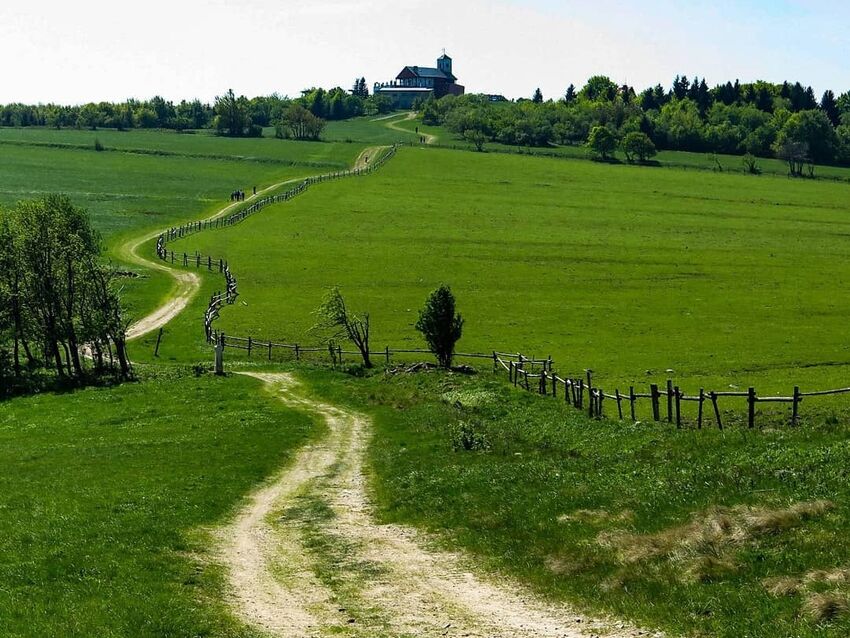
469 436
751 164
97 145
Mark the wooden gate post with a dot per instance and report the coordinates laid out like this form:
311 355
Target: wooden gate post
632 399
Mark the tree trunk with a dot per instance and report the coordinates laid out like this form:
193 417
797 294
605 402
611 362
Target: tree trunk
123 359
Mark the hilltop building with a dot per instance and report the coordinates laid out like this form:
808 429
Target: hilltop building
416 82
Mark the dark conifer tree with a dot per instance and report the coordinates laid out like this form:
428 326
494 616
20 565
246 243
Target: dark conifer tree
829 106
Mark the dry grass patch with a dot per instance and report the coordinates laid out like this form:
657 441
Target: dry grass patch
705 545
825 607
781 586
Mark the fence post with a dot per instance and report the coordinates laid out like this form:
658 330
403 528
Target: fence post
219 355
590 398
339 353
632 399
387 351
794 409
600 397
554 386
495 363
250 343
580 394
669 400
567 388
158 341
713 396
297 353
678 406
653 391
751 405
619 403
270 350
527 384
701 401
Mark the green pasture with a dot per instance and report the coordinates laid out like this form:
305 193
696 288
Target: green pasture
106 493
723 279
148 180
721 534
197 144
371 129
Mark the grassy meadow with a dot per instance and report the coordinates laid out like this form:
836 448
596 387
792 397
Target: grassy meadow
725 279
704 534
718 279
105 494
147 180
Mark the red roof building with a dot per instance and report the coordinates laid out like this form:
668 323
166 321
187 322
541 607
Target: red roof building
416 82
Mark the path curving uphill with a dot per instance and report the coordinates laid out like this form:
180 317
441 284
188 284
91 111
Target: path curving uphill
429 139
305 557
187 283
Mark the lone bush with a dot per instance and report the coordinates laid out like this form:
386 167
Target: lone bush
439 324
637 144
601 142
469 436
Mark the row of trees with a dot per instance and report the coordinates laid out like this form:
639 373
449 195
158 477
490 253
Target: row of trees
229 114
56 296
760 118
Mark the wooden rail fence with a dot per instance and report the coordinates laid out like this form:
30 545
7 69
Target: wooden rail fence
534 375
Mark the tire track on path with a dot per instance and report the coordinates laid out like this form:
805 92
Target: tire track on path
305 557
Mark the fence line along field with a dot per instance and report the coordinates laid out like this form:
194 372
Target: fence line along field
635 272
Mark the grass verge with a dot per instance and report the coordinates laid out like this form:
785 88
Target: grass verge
105 493
682 530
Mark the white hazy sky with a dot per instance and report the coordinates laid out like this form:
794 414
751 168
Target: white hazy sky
92 50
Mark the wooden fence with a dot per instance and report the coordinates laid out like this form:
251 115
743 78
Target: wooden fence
534 375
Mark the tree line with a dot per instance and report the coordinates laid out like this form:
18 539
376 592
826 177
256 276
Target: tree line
229 114
760 118
57 298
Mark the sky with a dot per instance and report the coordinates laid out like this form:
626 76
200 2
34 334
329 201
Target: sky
93 50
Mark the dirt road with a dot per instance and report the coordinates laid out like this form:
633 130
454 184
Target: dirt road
305 557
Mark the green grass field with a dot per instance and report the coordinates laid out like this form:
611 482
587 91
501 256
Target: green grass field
149 180
632 271
721 534
105 494
719 280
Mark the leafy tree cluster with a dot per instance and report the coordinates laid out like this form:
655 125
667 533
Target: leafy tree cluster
299 124
153 113
229 114
762 119
56 296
